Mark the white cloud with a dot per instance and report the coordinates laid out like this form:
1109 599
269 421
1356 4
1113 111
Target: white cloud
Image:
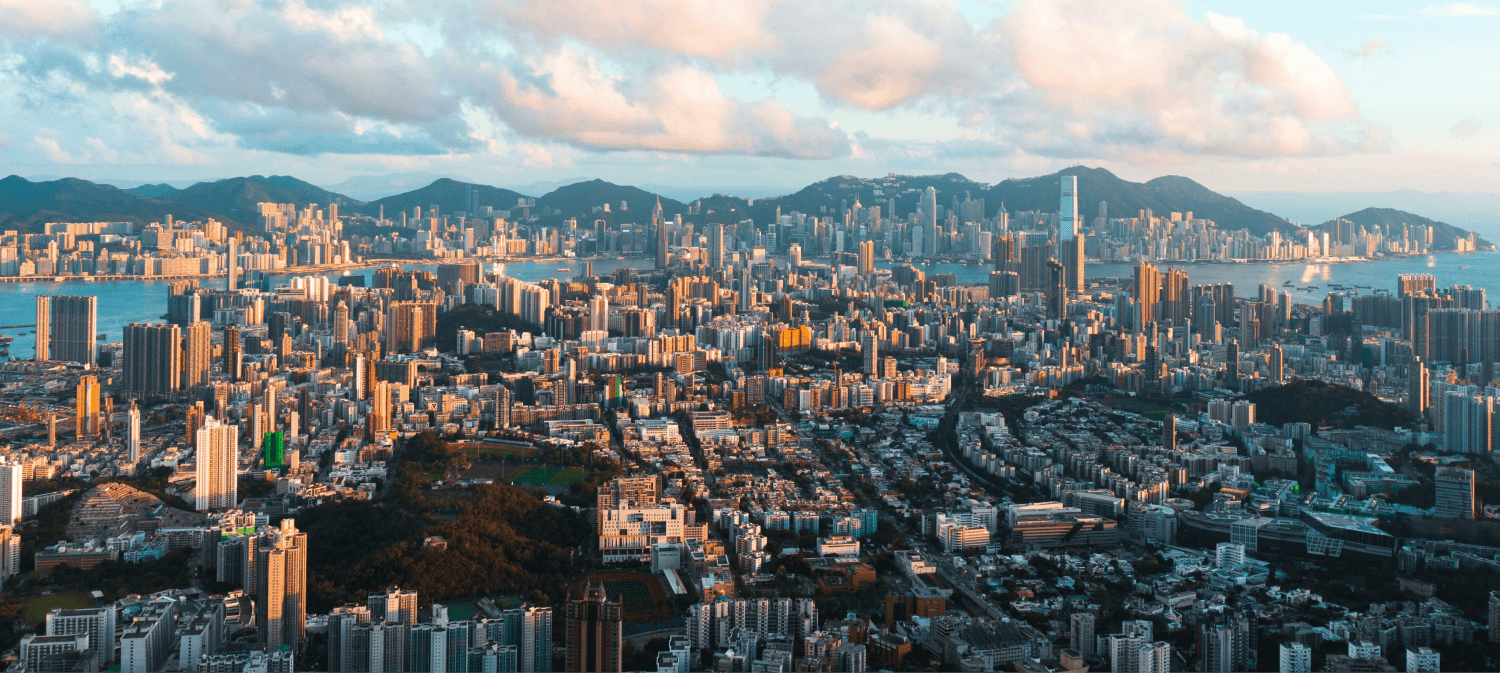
1370 49
1217 87
52 150
724 30
64 19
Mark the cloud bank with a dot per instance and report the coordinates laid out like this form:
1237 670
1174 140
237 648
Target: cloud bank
536 81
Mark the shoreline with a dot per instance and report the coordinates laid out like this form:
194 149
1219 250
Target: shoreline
302 271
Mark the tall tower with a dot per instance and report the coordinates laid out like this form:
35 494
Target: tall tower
1067 215
231 265
341 324
133 433
197 354
716 246
232 353
152 359
872 355
86 422
1147 292
1056 290
281 586
43 328
595 632
216 455
661 235
866 258
69 324
10 493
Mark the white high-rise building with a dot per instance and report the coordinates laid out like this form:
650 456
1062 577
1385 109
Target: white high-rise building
97 623
133 433
1296 658
1067 217
1422 660
10 552
10 493
217 457
599 314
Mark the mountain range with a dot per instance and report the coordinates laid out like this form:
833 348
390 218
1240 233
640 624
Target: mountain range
27 205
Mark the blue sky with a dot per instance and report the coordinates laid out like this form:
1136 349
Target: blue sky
1242 96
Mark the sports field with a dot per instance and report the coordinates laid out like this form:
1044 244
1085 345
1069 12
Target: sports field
36 609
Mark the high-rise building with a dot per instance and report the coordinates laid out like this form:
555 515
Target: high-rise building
534 646
152 359
341 324
10 492
870 348
231 265
233 353
10 552
394 606
1494 622
1169 433
595 632
1296 658
96 623
281 585
216 456
133 433
1423 660
197 354
1056 290
1081 633
598 314
866 258
87 421
1455 493
1147 293
1067 216
1419 388
67 325
716 246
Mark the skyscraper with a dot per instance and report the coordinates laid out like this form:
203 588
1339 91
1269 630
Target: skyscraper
133 433
661 236
1056 290
341 324
595 632
1067 216
197 354
866 258
394 606
10 492
929 211
10 552
715 246
86 419
1147 293
216 455
281 586
871 350
67 324
231 265
534 648
152 359
233 353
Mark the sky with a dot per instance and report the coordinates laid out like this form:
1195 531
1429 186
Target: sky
1242 96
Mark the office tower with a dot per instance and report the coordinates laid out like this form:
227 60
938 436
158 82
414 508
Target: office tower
281 586
929 218
233 353
67 325
96 623
217 454
871 350
1232 364
152 359
1277 364
86 408
231 265
10 492
10 552
1067 216
747 290
1455 493
1169 432
1176 306
1147 293
341 324
866 258
394 606
197 354
1003 253
1081 633
1056 290
1071 250
661 239
133 433
594 631
1296 658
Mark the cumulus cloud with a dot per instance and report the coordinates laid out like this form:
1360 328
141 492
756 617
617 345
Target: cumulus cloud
567 96
64 19
539 81
1467 128
1216 87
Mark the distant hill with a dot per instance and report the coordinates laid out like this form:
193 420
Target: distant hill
26 206
449 195
580 199
153 191
1443 233
237 199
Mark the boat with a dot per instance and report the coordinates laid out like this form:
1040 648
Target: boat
563 268
1463 267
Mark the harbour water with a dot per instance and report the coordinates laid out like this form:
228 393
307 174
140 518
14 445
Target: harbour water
124 302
